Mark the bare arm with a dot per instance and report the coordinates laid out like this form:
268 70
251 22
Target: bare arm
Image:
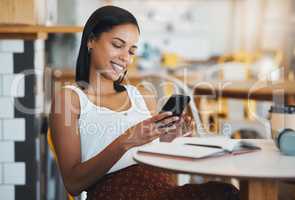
64 123
78 176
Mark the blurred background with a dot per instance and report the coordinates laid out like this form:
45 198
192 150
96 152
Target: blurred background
246 41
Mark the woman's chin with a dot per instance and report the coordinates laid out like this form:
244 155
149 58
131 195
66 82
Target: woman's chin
114 76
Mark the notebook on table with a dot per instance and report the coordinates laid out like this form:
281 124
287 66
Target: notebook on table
200 147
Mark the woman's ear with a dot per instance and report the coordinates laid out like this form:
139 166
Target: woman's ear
91 39
90 44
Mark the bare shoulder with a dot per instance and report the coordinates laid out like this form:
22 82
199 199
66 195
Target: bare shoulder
149 97
66 98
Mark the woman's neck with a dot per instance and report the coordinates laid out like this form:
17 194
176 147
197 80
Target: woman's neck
99 84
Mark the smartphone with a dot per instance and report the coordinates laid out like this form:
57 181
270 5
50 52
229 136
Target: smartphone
176 104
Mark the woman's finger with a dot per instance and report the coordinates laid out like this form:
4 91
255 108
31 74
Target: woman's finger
168 121
166 129
191 123
188 134
159 117
187 118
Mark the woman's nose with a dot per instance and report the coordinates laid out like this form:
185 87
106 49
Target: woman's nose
125 57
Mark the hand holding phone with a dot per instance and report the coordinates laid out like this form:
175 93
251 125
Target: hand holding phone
176 105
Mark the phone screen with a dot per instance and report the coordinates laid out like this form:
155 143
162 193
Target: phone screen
176 104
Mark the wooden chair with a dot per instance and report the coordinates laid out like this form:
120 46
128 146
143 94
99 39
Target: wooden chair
52 149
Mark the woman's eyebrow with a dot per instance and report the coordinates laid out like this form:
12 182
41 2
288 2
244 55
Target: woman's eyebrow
124 42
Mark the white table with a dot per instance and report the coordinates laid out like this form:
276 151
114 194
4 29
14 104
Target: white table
259 172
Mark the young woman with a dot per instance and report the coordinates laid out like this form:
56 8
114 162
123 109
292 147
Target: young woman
98 123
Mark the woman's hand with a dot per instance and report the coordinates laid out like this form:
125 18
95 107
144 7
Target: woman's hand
183 127
148 130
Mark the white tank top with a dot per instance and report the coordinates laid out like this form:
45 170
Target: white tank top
100 126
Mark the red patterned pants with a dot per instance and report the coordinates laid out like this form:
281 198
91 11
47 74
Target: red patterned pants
148 183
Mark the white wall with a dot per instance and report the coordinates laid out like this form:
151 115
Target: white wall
198 28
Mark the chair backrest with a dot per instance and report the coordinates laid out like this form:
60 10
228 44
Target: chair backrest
52 149
50 144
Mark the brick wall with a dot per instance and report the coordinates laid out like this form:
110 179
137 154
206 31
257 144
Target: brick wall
20 63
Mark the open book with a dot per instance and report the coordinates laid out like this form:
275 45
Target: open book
193 147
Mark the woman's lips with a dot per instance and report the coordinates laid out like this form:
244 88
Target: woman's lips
117 68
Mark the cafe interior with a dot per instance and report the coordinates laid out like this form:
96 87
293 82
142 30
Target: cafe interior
235 59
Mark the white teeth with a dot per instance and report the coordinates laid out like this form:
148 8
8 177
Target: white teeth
117 66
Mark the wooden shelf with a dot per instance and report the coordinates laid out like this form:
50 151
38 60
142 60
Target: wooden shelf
34 32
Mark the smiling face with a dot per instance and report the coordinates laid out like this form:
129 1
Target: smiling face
112 51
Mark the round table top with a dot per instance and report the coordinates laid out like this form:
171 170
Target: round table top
268 163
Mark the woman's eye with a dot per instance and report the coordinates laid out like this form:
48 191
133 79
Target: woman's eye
132 53
116 45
